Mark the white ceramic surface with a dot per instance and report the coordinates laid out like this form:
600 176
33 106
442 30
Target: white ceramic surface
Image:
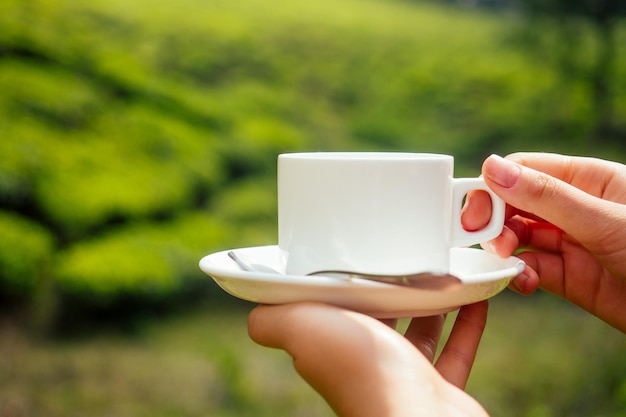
371 212
483 274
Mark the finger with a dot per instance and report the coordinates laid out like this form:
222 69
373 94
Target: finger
263 322
309 331
476 212
591 175
583 282
559 203
393 323
525 283
331 348
520 232
457 356
504 245
536 235
549 268
424 333
293 327
360 366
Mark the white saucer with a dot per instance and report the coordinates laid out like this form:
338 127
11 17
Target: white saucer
483 274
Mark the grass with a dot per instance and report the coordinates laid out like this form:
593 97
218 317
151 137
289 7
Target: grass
542 357
539 358
197 364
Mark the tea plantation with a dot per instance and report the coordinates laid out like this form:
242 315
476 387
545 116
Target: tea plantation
137 137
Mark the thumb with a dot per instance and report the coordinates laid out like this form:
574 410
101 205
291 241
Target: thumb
585 217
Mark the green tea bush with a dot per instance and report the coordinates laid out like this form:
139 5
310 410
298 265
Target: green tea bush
133 168
147 260
26 249
250 202
140 136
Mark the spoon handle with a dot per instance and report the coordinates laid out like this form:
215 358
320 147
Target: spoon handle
241 262
423 281
250 265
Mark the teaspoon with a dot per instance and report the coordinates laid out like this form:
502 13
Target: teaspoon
422 280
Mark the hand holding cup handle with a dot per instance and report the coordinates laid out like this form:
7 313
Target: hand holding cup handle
460 236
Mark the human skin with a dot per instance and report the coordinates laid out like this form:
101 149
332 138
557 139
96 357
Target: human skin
363 367
566 218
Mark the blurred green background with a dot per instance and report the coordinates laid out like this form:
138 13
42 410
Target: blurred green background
137 137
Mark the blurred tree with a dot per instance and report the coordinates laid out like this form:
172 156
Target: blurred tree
568 18
603 16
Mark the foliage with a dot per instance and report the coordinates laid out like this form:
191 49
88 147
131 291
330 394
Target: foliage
600 19
137 137
33 243
142 259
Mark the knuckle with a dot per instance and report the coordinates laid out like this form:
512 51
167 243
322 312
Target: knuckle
544 187
426 345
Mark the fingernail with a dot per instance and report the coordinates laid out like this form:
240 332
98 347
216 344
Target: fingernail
488 246
502 171
520 282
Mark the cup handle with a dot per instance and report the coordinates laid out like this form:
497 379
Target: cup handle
461 237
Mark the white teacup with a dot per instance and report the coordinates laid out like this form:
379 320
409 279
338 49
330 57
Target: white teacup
371 212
